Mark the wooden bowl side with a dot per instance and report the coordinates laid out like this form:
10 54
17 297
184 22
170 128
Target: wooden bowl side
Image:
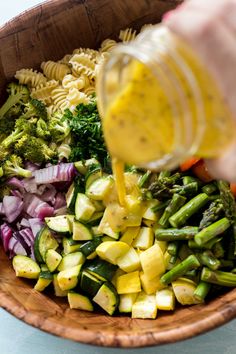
49 31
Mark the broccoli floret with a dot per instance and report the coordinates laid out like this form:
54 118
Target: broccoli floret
3 153
42 129
13 166
35 108
18 95
58 127
6 127
34 149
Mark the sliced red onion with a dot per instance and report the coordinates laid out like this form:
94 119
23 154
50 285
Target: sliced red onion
2 211
24 223
36 207
16 193
30 185
21 238
16 248
55 173
6 234
13 207
48 192
16 183
60 200
31 166
36 225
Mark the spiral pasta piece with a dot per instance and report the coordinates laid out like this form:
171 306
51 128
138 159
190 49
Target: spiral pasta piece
30 77
90 90
76 97
107 45
127 35
70 81
59 97
65 60
92 53
55 71
82 64
146 26
43 91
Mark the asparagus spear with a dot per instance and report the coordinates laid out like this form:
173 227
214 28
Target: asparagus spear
162 187
218 250
176 234
184 213
208 259
160 206
175 204
212 231
202 290
207 245
189 179
226 263
218 277
211 214
144 179
181 269
173 248
209 188
186 190
164 174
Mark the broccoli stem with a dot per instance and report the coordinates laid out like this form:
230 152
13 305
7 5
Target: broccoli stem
10 102
175 204
176 234
181 269
202 290
208 259
212 231
218 277
184 213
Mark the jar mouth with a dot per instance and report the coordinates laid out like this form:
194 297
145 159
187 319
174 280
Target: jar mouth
153 56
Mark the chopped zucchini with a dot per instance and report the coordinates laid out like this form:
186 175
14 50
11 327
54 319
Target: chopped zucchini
83 166
57 289
71 260
89 283
100 188
96 231
152 261
43 242
81 232
89 247
144 239
130 234
130 261
70 196
45 279
165 299
70 219
126 302
98 204
70 245
58 224
101 269
52 259
96 218
25 267
84 208
68 278
150 286
144 306
92 175
184 291
107 298
92 255
110 251
80 302
128 283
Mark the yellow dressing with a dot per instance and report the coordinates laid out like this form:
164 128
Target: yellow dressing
118 172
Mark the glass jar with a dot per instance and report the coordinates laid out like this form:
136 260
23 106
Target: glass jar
159 104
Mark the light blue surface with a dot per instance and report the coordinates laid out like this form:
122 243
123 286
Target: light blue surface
18 338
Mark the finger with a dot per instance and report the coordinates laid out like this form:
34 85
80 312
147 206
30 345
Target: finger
224 167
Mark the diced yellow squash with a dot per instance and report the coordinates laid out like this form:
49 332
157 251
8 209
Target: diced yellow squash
152 262
131 184
128 283
162 244
133 204
130 261
148 223
129 235
126 302
165 299
148 213
57 289
115 215
92 255
118 273
110 251
150 286
144 239
184 291
108 238
145 306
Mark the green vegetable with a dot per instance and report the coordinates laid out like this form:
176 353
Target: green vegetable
202 290
208 259
176 234
13 166
212 231
175 204
218 277
211 214
58 127
18 95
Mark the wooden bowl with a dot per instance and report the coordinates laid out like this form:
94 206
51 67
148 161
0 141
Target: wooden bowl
49 31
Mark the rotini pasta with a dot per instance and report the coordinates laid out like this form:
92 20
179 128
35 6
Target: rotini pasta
55 71
59 96
30 77
107 45
70 81
76 97
82 64
92 53
65 60
127 35
43 91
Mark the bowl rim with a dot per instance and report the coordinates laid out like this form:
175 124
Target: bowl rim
225 305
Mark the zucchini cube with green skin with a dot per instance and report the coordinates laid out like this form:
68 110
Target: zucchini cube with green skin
84 208
58 224
68 278
71 260
43 242
107 298
89 283
100 188
70 245
126 302
57 289
81 232
145 306
25 267
165 299
44 280
79 302
52 259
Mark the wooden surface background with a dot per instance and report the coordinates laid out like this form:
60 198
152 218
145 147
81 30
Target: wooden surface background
48 32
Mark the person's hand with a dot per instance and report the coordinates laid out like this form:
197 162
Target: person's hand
209 26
